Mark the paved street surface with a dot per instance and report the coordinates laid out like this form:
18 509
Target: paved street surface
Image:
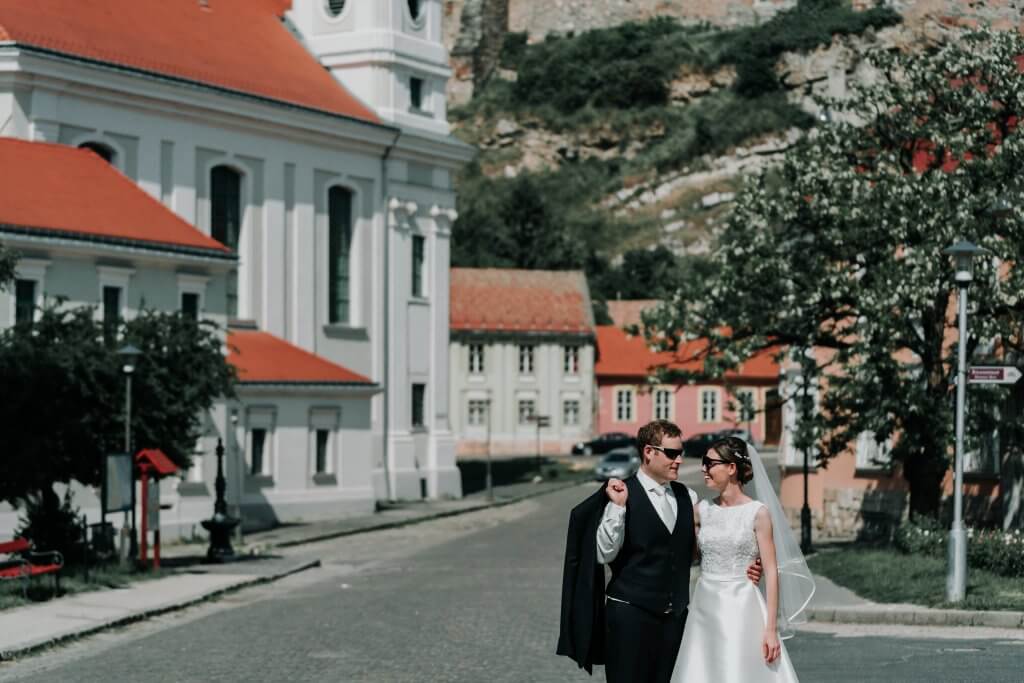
469 598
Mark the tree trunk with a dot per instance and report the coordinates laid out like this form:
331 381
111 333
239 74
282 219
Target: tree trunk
924 474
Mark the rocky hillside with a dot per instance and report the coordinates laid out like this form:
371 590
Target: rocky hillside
635 137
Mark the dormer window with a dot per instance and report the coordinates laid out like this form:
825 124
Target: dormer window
334 7
105 152
415 8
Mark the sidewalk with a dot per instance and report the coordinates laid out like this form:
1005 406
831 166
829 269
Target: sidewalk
24 630
837 605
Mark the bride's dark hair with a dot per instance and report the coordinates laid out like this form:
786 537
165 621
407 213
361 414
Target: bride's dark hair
733 450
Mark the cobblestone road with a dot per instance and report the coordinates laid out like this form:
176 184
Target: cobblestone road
470 599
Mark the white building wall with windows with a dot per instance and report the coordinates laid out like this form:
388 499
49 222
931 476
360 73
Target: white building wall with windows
169 138
548 388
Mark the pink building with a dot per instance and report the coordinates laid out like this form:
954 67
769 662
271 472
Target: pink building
627 399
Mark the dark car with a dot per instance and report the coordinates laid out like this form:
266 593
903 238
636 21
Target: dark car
604 443
698 444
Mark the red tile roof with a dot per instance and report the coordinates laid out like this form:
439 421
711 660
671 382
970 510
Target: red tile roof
621 355
509 300
261 358
239 45
67 190
628 312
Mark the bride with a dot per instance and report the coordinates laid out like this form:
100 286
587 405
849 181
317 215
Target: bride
733 633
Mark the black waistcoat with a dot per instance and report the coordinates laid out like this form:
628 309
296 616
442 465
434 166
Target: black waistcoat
652 570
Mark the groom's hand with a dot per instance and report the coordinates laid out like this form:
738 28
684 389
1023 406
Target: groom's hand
617 493
754 572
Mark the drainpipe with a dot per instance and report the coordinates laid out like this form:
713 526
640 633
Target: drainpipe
386 331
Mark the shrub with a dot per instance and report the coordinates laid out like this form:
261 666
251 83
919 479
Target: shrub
52 524
1000 552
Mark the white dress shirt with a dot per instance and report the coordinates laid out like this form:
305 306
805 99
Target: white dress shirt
612 529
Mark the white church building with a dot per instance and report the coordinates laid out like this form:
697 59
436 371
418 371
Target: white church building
299 154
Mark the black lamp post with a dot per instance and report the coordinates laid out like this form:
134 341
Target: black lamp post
221 524
129 357
805 511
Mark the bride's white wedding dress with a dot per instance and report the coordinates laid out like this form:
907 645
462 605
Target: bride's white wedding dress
724 630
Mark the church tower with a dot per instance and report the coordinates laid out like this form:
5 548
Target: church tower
389 53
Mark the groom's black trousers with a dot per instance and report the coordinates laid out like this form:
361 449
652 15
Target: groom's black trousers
641 646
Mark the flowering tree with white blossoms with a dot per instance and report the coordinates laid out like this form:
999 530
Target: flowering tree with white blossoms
840 250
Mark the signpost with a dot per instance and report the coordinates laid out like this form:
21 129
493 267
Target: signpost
993 374
540 421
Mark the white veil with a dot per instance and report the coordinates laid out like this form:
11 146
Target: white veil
796 584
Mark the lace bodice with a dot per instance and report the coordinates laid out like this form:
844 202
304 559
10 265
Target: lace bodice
726 538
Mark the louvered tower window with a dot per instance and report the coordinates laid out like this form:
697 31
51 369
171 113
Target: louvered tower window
334 7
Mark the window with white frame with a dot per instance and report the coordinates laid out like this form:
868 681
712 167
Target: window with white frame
323 431
662 404
191 293
526 359
226 221
571 359
419 397
113 298
339 254
571 412
870 453
259 442
419 273
476 359
709 405
527 409
27 292
476 415
624 405
746 405
24 301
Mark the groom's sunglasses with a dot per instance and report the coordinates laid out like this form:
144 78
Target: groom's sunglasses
670 453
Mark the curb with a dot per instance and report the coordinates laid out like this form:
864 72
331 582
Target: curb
418 520
142 615
910 616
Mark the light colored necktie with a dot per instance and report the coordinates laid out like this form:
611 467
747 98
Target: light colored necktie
667 513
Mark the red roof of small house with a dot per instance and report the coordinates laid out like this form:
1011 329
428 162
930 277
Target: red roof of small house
237 45
73 192
621 355
511 300
625 313
156 460
261 358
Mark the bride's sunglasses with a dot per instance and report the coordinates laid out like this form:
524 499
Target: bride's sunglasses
670 453
707 463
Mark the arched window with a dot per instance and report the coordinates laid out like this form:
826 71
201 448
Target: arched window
339 237
226 220
105 152
415 7
334 7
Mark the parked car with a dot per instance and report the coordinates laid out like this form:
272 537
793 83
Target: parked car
742 434
618 464
698 444
603 444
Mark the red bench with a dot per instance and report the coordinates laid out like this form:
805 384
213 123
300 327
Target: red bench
23 563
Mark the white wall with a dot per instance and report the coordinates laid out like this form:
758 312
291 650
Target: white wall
549 386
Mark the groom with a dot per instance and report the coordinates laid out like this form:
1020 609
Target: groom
642 529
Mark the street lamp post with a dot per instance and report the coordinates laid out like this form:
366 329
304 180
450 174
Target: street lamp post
129 356
963 253
490 478
805 511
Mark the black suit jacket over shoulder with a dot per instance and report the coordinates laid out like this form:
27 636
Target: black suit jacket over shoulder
582 631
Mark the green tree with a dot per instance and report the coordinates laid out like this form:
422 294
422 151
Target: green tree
67 396
7 262
842 252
